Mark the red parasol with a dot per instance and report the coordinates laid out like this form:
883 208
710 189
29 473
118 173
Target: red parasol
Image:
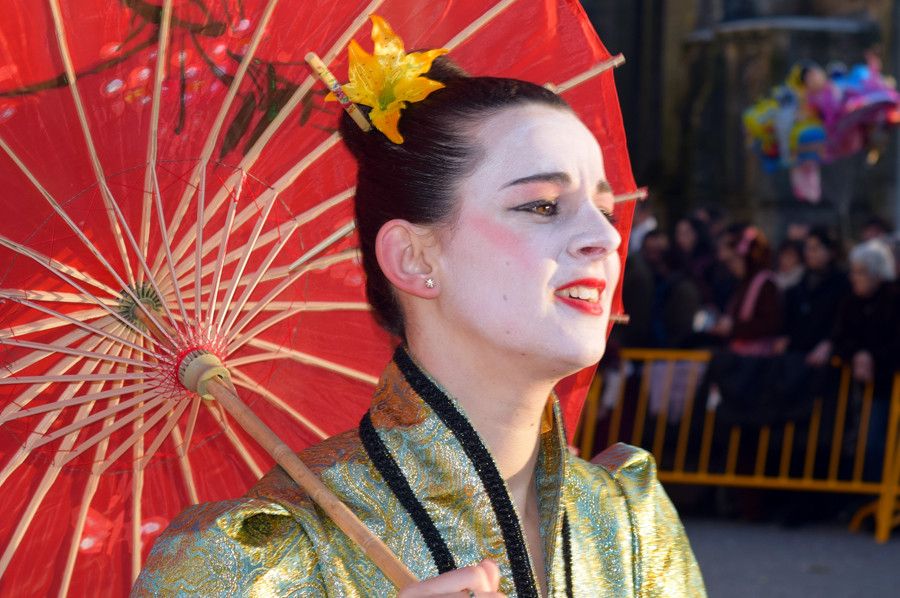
172 166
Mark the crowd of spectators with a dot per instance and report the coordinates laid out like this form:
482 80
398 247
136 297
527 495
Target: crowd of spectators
708 283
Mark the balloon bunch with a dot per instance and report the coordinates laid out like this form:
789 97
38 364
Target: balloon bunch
818 115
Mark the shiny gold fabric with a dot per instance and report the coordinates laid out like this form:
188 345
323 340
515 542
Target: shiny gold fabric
625 536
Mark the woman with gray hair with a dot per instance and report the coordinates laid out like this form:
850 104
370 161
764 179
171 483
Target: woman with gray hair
867 335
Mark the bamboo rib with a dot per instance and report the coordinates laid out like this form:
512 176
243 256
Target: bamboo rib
80 400
76 229
236 442
277 352
223 246
192 421
64 365
159 73
56 297
68 378
637 195
184 464
71 351
589 74
164 242
249 247
137 490
105 433
216 128
56 267
173 418
242 379
33 358
94 417
235 339
280 233
51 323
111 207
198 246
140 428
478 24
324 244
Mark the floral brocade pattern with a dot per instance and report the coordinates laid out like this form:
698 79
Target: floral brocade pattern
625 537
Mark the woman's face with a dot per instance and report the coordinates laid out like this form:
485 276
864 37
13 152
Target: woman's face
530 265
685 236
815 254
862 281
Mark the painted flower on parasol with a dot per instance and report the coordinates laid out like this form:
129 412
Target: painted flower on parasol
174 186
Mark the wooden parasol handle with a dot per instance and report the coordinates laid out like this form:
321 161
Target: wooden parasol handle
207 376
340 513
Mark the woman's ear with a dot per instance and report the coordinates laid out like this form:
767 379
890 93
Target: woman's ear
404 252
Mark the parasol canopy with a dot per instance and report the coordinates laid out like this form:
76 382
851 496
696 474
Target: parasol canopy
173 182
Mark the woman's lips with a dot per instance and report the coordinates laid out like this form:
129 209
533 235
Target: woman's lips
583 294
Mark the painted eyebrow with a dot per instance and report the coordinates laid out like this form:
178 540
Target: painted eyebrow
559 178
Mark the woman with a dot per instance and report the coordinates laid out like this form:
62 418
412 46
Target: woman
866 335
488 250
753 317
811 306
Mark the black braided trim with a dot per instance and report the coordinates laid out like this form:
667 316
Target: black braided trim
567 555
481 459
398 484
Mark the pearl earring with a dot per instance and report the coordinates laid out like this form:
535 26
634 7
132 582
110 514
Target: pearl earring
429 283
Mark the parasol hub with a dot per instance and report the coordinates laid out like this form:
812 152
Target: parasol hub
197 368
128 307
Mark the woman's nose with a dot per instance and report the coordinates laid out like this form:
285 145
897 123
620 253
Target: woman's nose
596 237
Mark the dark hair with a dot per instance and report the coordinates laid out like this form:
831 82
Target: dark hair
824 236
417 180
751 244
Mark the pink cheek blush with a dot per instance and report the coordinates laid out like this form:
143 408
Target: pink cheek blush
499 237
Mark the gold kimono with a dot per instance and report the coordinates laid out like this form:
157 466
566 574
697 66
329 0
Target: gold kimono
418 475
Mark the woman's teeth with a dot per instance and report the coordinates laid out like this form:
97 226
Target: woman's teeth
589 294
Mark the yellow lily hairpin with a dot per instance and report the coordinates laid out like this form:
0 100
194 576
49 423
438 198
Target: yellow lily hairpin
387 79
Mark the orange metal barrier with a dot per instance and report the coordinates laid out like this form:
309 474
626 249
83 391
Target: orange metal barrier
685 443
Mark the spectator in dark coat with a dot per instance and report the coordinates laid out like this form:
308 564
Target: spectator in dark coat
811 306
867 336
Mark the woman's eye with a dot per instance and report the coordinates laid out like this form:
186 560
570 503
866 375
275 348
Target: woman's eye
611 216
541 208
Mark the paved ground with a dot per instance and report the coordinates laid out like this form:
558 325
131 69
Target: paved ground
741 560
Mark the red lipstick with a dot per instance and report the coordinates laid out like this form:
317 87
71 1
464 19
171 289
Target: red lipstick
590 305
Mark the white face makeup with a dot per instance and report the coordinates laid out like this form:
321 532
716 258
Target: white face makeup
530 265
